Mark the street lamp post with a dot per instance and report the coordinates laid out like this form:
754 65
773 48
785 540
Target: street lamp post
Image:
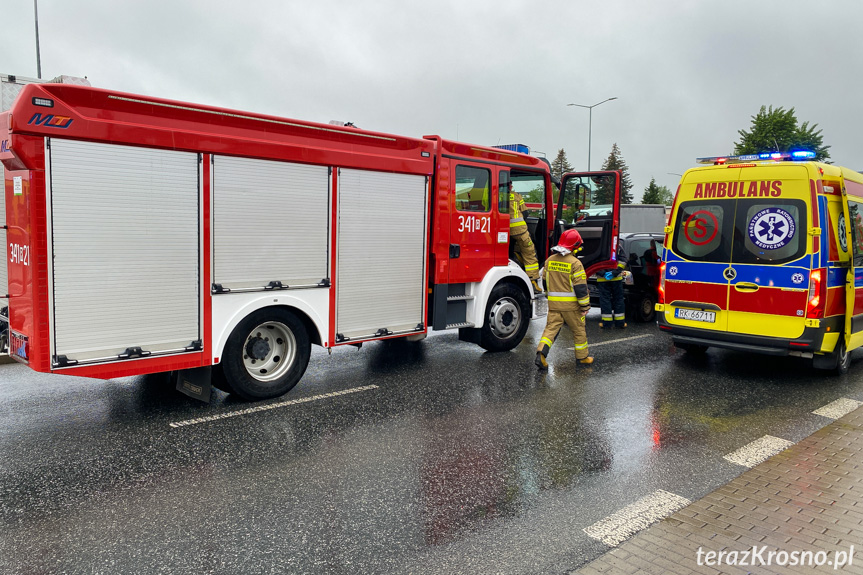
38 58
590 124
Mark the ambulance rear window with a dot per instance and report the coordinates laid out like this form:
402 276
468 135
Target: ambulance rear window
769 233
702 230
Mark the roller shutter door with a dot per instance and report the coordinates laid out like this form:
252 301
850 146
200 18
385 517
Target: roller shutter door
380 278
4 269
270 223
126 247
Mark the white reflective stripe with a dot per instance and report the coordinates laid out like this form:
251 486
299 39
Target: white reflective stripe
515 220
581 346
584 301
546 341
606 317
619 316
561 294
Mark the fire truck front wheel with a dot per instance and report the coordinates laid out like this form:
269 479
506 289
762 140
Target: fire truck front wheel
266 354
507 317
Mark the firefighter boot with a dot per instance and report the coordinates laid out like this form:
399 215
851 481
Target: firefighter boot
537 290
540 361
586 361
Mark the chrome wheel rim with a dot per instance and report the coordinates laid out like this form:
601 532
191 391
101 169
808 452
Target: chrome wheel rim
504 317
269 351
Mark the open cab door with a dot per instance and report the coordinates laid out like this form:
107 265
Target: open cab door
851 230
590 203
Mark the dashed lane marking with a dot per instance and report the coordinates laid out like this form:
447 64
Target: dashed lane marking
623 524
592 345
259 408
838 408
759 450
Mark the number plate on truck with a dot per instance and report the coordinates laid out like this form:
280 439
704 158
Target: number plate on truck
695 315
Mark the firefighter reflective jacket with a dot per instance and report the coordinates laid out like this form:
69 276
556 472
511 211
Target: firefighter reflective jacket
567 283
517 225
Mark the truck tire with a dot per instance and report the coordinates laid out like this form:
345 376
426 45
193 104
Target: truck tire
507 316
266 354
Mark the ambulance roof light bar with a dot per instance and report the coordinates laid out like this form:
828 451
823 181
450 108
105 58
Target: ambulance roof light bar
764 156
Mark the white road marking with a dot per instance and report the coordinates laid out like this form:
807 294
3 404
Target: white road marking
838 408
592 345
622 524
759 450
270 406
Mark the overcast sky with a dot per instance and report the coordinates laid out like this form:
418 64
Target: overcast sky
687 75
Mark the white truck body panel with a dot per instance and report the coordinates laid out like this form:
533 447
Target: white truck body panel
641 218
229 309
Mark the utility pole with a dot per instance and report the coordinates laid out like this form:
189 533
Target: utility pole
38 58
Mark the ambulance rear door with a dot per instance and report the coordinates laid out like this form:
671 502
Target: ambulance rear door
771 261
696 286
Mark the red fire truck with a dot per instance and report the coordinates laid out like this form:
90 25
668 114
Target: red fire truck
147 235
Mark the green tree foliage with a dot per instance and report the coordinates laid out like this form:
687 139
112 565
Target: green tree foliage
654 194
778 131
560 165
605 195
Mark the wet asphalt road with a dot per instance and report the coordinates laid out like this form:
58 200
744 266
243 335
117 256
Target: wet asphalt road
458 461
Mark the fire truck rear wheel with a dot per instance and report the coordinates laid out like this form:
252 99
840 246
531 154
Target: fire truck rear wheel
507 317
266 354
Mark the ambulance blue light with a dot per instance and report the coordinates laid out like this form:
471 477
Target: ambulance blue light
802 154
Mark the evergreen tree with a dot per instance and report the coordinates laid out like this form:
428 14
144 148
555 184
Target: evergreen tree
778 131
560 165
615 162
654 194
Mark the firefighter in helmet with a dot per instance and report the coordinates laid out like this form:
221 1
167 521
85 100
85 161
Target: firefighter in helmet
568 298
520 238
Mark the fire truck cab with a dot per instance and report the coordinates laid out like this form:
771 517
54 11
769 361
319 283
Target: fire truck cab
147 235
765 254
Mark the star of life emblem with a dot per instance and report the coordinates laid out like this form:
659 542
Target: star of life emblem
771 228
797 278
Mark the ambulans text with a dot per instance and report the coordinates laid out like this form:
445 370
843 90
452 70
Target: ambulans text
757 189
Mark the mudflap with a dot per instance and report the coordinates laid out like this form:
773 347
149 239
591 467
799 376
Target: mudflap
470 334
194 382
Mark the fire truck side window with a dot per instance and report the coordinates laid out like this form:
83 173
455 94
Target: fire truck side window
472 189
503 192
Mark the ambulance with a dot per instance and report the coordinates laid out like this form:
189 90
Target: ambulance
764 254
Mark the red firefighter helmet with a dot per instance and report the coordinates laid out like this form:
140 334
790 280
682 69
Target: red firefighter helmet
570 240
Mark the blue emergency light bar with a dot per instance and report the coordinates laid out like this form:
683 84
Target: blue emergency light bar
520 148
764 156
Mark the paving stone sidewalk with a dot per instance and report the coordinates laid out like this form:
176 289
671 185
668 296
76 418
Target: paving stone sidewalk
805 505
